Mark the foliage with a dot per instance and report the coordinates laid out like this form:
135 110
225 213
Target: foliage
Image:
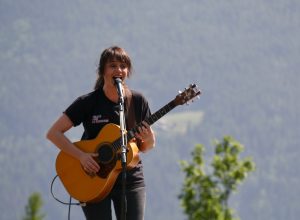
205 196
33 208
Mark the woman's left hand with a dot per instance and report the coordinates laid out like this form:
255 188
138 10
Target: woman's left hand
146 135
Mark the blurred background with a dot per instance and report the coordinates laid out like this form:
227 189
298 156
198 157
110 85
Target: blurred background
243 55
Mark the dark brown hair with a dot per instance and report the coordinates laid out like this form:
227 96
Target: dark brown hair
113 53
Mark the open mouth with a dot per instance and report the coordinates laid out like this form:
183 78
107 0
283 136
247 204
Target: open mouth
118 78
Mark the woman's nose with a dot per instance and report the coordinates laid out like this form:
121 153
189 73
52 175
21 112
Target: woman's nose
119 69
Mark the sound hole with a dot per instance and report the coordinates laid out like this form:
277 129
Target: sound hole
105 153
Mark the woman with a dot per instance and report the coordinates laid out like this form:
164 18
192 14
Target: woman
94 111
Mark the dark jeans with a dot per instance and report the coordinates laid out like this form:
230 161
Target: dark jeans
135 198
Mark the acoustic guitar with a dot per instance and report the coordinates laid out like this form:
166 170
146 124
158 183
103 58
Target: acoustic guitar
86 187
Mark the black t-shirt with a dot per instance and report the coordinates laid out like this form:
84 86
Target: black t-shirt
94 110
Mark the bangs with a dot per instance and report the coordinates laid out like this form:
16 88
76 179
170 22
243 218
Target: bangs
117 54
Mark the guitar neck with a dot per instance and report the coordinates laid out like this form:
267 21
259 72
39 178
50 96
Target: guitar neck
153 118
187 95
160 113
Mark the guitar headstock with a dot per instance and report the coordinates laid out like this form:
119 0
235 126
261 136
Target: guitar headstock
188 95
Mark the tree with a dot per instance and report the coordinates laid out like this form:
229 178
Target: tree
33 207
205 196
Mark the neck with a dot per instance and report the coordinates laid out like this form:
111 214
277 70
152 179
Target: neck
111 93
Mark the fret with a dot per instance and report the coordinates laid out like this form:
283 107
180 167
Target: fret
155 117
149 121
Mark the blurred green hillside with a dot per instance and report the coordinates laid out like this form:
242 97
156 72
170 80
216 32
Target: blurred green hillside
244 55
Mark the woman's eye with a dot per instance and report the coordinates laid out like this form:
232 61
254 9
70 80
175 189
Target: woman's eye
121 66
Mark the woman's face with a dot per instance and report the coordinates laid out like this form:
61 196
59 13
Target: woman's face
115 69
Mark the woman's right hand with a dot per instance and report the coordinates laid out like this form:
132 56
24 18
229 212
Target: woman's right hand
88 163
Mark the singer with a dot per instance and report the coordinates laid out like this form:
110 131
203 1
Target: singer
96 109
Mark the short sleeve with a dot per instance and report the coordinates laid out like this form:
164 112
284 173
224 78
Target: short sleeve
142 109
77 111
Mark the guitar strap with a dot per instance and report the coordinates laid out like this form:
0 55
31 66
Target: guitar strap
130 111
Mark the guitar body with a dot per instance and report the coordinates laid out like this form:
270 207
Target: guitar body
92 188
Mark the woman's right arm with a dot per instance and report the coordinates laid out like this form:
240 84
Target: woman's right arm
57 137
